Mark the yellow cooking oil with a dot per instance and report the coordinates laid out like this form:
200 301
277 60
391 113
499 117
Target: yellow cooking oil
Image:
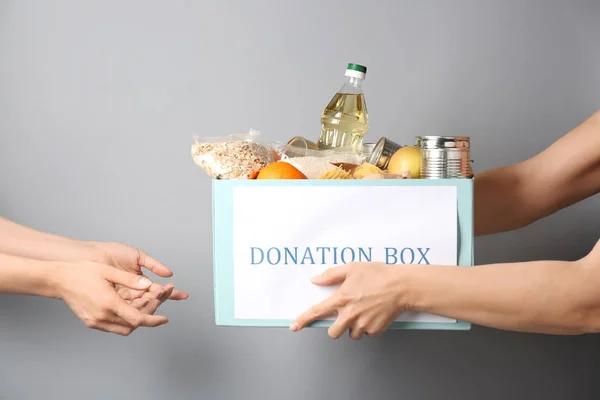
345 120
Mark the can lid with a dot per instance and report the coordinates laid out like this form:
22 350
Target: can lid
356 71
442 142
376 152
382 152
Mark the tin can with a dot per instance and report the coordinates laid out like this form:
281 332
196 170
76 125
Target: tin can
444 157
382 152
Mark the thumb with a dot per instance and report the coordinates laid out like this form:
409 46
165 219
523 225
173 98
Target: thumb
332 276
127 279
151 263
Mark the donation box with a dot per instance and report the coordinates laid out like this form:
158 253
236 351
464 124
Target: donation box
271 236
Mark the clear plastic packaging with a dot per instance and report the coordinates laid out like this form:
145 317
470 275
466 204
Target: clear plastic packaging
278 149
315 163
236 156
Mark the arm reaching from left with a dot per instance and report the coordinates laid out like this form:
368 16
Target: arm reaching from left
555 297
19 240
88 288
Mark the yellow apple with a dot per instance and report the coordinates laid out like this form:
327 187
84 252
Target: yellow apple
406 159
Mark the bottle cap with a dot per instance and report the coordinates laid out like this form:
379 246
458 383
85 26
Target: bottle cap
356 71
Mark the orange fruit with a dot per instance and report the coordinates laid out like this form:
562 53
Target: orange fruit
280 170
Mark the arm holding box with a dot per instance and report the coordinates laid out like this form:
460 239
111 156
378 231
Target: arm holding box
555 297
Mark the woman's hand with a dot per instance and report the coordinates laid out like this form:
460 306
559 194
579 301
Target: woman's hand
89 289
371 297
152 298
20 241
132 260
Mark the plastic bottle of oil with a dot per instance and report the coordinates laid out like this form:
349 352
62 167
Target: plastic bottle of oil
345 121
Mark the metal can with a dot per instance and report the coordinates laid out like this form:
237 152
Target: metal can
444 157
382 152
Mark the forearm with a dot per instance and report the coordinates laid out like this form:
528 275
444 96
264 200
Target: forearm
499 197
544 296
563 174
19 240
19 275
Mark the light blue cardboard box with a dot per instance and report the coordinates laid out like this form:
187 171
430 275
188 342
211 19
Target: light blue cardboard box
223 225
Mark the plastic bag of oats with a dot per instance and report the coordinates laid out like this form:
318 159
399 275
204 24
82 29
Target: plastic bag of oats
236 156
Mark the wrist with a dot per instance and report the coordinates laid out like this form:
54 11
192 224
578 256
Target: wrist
53 279
20 275
412 288
94 251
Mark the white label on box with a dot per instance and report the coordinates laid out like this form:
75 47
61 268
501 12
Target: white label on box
282 236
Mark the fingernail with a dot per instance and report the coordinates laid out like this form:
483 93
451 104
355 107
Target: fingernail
315 278
145 282
294 327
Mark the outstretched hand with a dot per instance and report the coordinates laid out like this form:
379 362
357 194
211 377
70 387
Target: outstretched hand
132 260
89 289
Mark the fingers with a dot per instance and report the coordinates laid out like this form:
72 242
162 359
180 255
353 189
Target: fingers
129 294
135 317
360 326
167 292
126 294
158 292
338 328
356 333
113 328
326 307
322 309
152 264
154 292
371 327
379 325
173 294
146 305
127 279
140 303
357 325
179 295
151 307
332 275
153 298
360 306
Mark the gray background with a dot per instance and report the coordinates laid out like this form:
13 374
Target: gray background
98 102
